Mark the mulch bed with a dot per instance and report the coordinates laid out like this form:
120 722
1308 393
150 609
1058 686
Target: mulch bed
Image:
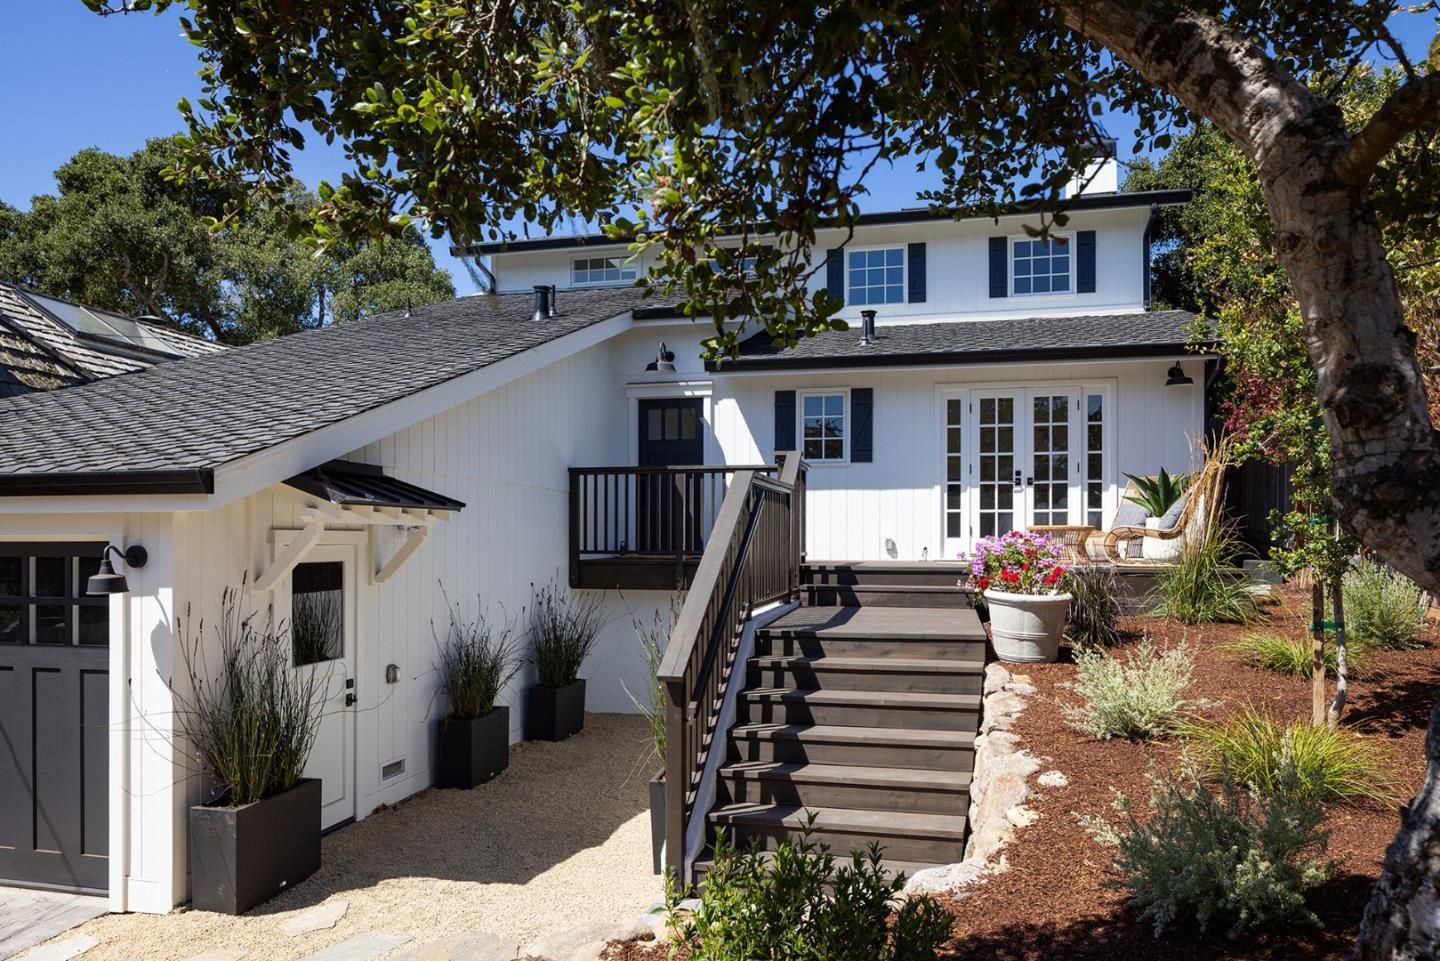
1051 903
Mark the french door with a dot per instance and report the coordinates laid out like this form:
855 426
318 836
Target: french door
1020 457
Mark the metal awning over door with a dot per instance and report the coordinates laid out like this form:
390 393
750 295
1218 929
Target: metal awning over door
54 717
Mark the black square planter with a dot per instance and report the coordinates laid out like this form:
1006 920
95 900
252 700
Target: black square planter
242 856
657 822
473 749
555 713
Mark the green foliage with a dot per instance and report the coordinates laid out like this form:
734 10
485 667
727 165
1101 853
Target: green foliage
801 905
1203 587
563 629
476 662
1220 853
1159 493
1136 698
1292 655
1383 607
1094 605
251 718
1256 749
654 638
122 235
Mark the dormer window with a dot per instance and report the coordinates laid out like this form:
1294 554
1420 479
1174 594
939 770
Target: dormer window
875 276
1041 266
587 271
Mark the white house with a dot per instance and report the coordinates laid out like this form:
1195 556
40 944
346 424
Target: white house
1010 381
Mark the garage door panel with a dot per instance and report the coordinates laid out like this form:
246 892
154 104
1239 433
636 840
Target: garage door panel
95 763
14 782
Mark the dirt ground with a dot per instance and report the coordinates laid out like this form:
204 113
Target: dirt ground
1051 903
562 838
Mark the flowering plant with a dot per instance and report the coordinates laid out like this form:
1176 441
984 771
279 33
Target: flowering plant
1020 562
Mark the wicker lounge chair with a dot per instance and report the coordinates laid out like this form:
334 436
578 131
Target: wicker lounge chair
1201 503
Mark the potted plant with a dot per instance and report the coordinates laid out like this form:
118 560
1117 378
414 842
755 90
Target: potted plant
476 662
1160 496
654 638
1019 574
252 724
563 628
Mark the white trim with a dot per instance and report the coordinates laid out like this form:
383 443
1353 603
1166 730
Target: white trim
670 388
790 373
290 555
676 390
623 263
904 274
845 430
1073 250
413 540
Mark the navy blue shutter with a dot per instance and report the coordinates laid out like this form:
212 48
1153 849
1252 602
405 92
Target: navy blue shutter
785 420
917 273
862 408
999 275
1085 262
835 273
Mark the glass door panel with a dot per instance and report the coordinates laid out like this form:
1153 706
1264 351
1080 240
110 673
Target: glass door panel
1051 462
997 459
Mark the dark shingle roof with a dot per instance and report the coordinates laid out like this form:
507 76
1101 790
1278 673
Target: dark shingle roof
202 412
1154 333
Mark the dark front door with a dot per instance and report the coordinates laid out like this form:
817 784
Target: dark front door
54 717
668 505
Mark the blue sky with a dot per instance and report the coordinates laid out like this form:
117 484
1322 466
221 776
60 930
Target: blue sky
70 79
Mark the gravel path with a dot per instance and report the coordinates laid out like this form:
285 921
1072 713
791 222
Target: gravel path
562 838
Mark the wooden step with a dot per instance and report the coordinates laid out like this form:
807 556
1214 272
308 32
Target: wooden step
933 838
926 633
883 573
887 595
910 790
908 869
885 709
853 746
940 675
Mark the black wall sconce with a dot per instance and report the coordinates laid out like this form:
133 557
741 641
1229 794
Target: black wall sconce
1176 377
106 581
664 361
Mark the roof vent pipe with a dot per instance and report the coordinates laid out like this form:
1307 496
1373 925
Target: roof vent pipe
542 302
554 299
867 328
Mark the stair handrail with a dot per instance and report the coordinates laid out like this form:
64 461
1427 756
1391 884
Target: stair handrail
732 579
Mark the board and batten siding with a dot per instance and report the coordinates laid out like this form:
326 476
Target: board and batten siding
852 509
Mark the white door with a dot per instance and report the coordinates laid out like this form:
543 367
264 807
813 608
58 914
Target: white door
319 607
1052 471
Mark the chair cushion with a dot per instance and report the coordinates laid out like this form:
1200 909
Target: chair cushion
1172 516
1129 514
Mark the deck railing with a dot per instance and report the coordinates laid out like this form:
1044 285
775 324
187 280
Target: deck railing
752 558
646 512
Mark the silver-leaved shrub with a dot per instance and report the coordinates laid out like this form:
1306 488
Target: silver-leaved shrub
1137 697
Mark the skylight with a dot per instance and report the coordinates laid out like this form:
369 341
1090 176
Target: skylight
102 325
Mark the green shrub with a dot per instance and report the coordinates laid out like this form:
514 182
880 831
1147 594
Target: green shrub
476 662
1291 655
1256 749
1383 607
1094 607
1203 587
1135 698
799 904
1159 493
563 629
252 718
1220 853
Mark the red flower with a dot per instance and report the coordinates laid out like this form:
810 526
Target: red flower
984 583
1053 576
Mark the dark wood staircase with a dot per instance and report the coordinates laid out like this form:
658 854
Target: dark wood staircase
861 707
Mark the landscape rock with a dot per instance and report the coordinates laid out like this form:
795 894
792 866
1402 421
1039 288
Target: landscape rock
579 943
1022 817
1053 779
996 677
63 950
1026 690
946 878
1001 710
475 946
318 918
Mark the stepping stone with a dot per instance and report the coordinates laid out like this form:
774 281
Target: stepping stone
318 918
218 954
362 947
63 950
466 947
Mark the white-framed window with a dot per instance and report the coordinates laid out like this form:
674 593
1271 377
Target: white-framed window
1041 265
823 426
875 276
601 270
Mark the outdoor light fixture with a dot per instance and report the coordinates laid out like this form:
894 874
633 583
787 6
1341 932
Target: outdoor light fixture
106 581
1176 377
664 362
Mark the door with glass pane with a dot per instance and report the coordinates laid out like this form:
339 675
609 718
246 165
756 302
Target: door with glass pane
997 494
321 606
1051 468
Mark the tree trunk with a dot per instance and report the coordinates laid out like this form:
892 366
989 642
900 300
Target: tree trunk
1317 649
1342 669
1386 454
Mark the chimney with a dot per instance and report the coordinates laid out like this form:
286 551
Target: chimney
542 302
554 299
867 328
1102 172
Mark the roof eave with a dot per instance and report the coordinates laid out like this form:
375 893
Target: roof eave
956 358
99 483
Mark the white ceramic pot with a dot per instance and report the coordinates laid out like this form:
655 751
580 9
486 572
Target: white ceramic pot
1027 627
1157 550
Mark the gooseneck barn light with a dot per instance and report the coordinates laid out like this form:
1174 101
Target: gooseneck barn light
1176 377
106 581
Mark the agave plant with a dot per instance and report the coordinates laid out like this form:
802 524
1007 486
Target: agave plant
1159 493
